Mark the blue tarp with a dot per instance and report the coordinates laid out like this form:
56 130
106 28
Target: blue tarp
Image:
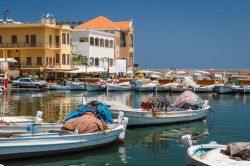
101 110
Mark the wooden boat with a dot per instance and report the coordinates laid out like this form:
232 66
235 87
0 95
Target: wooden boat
124 86
203 89
28 145
222 89
95 87
143 117
209 154
146 88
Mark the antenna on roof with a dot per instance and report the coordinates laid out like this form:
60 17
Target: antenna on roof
6 15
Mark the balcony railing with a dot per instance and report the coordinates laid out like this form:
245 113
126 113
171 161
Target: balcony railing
30 45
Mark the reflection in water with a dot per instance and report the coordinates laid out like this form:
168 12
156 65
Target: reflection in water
156 138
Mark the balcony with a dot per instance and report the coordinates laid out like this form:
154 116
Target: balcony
30 45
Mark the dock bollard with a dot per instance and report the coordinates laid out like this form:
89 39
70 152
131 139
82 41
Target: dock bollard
122 134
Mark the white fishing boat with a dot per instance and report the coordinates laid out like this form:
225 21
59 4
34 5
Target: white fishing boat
74 86
95 87
146 88
58 87
28 145
143 117
222 89
204 89
124 86
209 154
156 110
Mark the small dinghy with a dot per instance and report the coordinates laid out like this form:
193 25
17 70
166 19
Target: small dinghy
214 154
157 110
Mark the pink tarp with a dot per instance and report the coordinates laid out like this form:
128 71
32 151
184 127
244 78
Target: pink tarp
187 97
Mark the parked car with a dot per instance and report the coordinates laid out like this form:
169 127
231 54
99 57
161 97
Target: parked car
29 83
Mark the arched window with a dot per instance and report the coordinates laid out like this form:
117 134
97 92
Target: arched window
92 42
131 40
97 41
101 42
123 40
111 43
91 61
102 62
106 43
96 61
111 62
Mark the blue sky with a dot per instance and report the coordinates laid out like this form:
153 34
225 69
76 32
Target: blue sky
178 33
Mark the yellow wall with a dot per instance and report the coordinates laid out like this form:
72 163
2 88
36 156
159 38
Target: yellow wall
42 32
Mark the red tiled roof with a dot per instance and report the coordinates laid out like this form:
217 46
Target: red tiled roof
103 23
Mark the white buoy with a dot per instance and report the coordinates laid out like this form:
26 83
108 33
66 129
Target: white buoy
122 134
186 140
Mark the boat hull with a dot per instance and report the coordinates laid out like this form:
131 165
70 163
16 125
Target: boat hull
118 88
75 87
224 89
95 87
139 117
146 89
244 90
162 88
179 89
54 144
203 89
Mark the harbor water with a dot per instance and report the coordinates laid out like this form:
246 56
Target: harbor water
147 145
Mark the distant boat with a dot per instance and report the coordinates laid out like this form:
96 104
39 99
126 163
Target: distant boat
204 89
38 144
95 87
222 89
58 87
73 86
125 86
209 154
146 88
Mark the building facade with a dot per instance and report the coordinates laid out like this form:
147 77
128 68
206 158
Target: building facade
96 46
39 47
123 33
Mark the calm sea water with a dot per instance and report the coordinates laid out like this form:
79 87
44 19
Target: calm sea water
151 145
